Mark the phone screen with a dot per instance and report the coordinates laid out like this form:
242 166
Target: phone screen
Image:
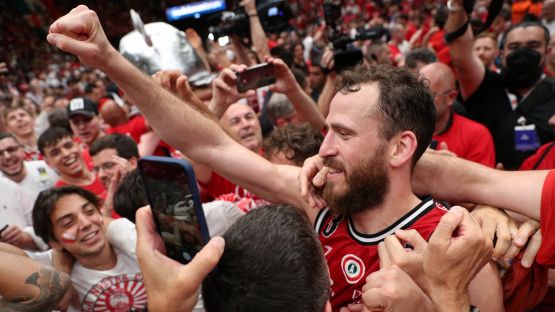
173 209
255 77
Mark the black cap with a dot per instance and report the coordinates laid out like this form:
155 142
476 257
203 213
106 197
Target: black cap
81 106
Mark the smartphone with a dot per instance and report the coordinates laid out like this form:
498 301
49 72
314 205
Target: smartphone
255 77
175 203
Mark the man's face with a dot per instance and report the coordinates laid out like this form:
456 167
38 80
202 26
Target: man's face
11 157
20 122
77 227
86 128
440 91
242 120
105 166
530 37
316 77
65 156
485 49
355 152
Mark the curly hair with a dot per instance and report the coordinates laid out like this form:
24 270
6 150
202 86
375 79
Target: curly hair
303 140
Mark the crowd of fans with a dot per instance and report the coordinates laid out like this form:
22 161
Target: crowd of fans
331 189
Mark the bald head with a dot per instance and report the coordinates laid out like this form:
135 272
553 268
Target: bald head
112 113
442 85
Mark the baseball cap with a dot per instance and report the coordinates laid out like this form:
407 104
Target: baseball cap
81 106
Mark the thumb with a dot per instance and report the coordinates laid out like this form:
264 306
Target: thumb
443 146
447 225
205 260
73 46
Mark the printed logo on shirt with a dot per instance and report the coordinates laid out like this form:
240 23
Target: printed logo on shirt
124 292
357 296
353 268
332 226
327 250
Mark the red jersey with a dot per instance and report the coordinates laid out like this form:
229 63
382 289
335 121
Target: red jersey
546 254
543 159
352 256
469 140
135 127
220 187
96 187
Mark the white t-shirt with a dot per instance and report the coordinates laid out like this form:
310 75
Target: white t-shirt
118 289
39 177
16 209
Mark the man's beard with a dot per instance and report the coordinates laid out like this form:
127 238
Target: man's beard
367 185
13 174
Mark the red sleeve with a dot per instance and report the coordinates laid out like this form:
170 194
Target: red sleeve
484 151
546 254
218 186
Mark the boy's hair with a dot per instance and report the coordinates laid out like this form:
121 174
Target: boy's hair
46 203
123 144
272 261
51 137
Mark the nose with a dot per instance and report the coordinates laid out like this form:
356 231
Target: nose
84 222
328 148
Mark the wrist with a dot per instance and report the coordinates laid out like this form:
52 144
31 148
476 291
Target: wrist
445 300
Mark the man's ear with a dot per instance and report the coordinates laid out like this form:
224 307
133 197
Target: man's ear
403 150
327 307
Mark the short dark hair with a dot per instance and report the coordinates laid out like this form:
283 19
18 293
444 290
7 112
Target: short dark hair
130 195
302 139
284 267
123 144
51 137
5 135
404 104
46 203
423 55
524 25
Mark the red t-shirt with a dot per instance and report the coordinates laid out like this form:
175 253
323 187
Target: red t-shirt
219 186
469 140
543 159
546 254
135 127
352 256
96 187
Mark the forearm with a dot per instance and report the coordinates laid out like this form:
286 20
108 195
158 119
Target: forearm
258 36
327 94
189 128
27 242
26 285
306 108
7 248
240 50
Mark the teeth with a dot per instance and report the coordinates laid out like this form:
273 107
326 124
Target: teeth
89 236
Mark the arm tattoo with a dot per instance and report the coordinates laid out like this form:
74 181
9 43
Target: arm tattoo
52 287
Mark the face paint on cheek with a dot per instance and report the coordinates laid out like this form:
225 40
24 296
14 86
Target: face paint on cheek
68 238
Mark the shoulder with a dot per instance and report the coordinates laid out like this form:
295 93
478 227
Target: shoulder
469 125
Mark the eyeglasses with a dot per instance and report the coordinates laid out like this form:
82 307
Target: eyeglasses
9 150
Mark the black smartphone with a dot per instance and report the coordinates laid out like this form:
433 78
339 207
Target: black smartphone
255 77
175 203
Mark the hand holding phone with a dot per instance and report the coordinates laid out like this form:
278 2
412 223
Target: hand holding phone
175 202
255 77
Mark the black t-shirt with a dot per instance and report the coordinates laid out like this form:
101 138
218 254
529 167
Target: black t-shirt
491 106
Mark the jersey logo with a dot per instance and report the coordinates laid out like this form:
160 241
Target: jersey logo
327 250
353 268
332 226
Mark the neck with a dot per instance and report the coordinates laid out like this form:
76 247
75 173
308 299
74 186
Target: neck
84 178
442 123
28 140
397 202
105 260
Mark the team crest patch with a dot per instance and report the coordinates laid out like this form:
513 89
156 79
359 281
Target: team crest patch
353 268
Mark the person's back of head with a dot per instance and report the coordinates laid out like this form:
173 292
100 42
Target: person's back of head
130 195
280 109
272 261
296 142
420 57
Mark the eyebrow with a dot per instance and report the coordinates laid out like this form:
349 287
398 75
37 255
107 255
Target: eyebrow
339 126
83 206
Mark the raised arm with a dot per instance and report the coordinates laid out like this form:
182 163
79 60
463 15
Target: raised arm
468 68
79 32
258 36
458 180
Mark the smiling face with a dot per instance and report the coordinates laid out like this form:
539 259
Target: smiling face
105 165
20 123
11 157
356 152
65 156
77 227
242 120
87 128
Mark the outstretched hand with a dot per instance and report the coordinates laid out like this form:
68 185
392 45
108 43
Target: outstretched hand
165 279
79 32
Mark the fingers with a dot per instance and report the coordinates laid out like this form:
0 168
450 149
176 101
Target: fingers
525 231
385 259
310 168
11 234
205 260
504 234
447 226
320 178
413 238
531 250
